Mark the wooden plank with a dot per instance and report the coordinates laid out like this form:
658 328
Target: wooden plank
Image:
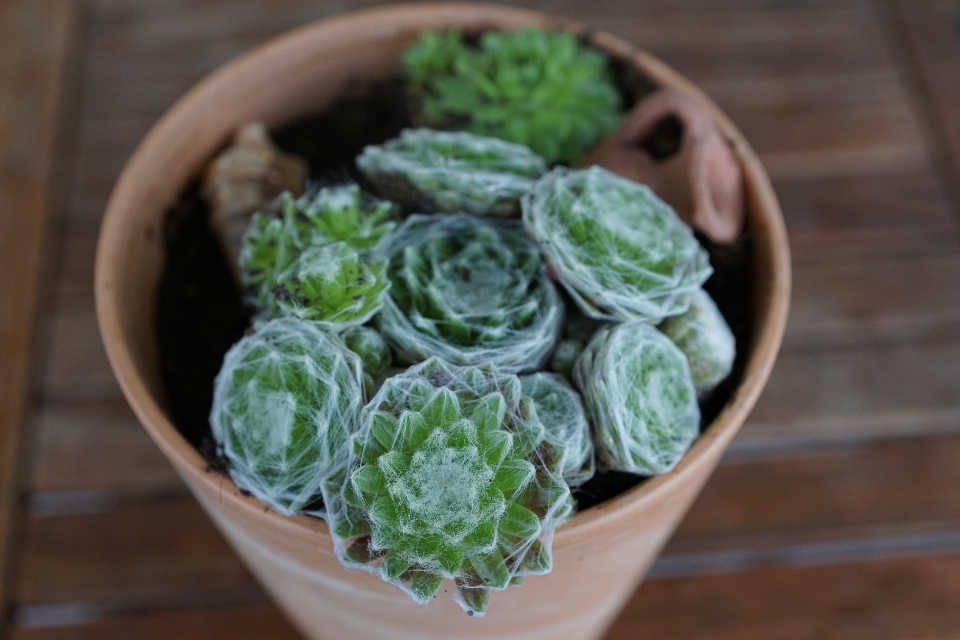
882 300
37 42
76 365
896 599
932 34
868 216
896 482
815 398
126 554
97 445
251 622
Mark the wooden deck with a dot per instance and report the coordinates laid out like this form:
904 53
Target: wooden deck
836 513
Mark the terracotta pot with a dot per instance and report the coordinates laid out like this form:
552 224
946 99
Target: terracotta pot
601 555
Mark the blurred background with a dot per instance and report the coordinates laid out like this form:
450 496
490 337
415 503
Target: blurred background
835 514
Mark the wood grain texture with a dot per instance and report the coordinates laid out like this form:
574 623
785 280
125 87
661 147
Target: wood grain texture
37 40
833 515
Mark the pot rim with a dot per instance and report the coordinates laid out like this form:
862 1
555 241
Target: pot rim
770 316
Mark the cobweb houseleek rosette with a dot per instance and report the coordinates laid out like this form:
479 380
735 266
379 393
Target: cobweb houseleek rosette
560 409
620 251
284 404
445 171
333 285
706 339
640 398
279 236
534 87
469 291
450 478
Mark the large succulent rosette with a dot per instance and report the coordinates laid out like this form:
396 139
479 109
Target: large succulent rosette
640 397
310 257
621 252
284 404
706 339
469 291
448 171
450 478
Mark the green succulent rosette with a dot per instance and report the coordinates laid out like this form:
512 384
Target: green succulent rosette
278 237
448 172
451 478
640 398
284 405
469 291
620 251
542 89
332 284
560 409
706 339
371 347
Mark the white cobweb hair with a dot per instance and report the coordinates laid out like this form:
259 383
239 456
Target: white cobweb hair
285 402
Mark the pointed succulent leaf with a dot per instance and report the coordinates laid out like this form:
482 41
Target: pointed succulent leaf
424 585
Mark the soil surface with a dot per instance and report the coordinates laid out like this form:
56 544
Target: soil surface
201 314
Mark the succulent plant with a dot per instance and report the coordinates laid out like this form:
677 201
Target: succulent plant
284 404
565 356
561 411
451 478
469 291
333 285
279 235
534 87
447 171
706 339
371 347
620 252
640 398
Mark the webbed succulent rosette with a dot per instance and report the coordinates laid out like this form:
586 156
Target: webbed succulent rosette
469 291
706 339
446 171
620 251
310 257
640 398
451 478
284 404
560 409
371 347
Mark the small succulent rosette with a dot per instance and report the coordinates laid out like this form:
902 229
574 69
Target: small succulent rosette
707 341
449 172
621 252
469 291
640 397
310 257
367 343
560 409
332 284
284 405
543 89
451 478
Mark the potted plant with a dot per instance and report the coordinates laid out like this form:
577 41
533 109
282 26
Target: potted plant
602 552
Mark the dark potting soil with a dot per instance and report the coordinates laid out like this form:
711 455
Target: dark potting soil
201 314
